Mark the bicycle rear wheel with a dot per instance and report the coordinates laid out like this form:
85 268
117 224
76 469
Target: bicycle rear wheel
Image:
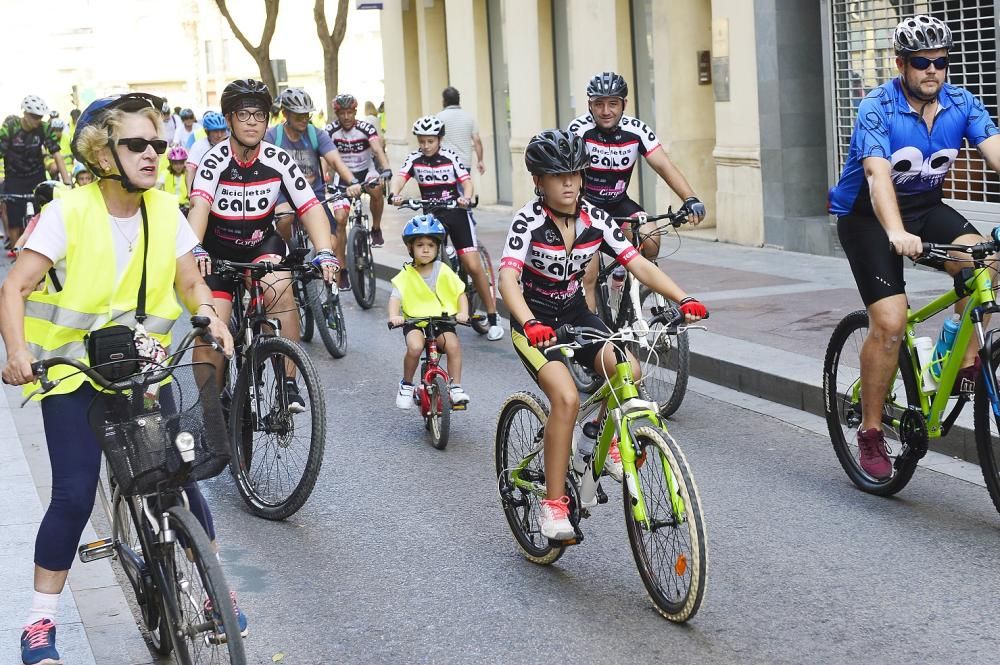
277 455
842 397
665 361
669 546
205 628
987 425
361 265
324 303
519 433
439 415
476 304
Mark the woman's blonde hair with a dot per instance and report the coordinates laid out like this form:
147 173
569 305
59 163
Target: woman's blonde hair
94 138
370 108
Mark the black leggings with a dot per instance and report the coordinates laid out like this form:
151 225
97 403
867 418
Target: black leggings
75 457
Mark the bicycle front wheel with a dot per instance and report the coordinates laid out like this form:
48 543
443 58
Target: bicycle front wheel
439 413
842 397
361 265
324 303
987 425
665 360
277 454
669 545
476 304
519 434
204 625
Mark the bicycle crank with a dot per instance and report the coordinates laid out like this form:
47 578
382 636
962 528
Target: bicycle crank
912 434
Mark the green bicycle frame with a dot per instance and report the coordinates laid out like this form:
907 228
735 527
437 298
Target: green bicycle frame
631 413
979 289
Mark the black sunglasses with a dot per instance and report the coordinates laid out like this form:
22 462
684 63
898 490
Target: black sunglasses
922 63
139 145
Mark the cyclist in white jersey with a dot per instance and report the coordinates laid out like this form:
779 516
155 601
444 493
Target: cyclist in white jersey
360 148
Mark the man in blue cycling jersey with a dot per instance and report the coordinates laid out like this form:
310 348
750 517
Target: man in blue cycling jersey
888 202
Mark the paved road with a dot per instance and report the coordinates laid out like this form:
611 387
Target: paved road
402 553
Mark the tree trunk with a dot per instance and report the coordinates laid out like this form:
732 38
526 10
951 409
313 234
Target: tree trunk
331 42
261 53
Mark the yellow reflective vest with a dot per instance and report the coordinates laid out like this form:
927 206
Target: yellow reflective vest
92 297
176 185
417 299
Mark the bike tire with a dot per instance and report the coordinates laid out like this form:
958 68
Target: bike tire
667 383
306 321
521 419
476 304
150 608
252 457
677 593
195 565
439 415
987 426
361 265
841 375
327 311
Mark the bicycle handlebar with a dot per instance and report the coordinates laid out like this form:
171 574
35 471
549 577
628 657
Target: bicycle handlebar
451 320
572 337
331 199
258 270
419 204
17 197
675 218
940 250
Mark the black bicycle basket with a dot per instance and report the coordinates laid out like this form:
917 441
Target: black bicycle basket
137 430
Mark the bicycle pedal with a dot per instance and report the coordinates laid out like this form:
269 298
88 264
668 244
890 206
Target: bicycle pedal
602 497
99 549
459 407
576 540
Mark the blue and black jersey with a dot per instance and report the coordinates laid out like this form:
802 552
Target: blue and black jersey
888 127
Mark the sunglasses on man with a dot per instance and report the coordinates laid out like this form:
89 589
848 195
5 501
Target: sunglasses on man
922 63
136 144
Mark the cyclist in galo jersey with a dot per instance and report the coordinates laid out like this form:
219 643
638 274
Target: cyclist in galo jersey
440 173
216 131
235 191
361 148
615 142
907 135
310 147
551 241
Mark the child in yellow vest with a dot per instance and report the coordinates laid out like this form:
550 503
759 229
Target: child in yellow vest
428 287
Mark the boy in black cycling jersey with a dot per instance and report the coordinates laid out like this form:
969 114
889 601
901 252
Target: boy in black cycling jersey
443 177
551 241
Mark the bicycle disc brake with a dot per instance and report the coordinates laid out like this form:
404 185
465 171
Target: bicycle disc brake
912 434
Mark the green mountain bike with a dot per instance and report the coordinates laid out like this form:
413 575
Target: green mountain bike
916 406
663 515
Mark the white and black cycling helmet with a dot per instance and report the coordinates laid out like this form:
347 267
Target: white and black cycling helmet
34 105
245 93
921 33
556 151
296 100
57 123
429 125
607 84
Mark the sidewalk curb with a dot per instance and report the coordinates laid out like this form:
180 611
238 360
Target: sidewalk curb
807 397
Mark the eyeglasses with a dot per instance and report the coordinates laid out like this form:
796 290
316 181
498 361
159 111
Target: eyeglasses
243 115
137 144
922 63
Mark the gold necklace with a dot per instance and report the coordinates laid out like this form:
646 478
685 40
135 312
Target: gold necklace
131 242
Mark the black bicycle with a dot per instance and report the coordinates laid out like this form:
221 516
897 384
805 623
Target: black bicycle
318 302
360 261
477 307
159 429
664 353
277 445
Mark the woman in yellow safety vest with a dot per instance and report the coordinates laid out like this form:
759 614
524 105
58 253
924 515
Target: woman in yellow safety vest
93 238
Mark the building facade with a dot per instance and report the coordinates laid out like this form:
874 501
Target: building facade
752 100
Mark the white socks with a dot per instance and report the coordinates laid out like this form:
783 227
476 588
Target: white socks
43 606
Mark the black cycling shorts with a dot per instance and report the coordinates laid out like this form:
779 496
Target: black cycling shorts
440 328
17 210
623 207
224 286
533 358
877 269
461 229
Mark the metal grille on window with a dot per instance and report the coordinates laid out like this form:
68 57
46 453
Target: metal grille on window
863 58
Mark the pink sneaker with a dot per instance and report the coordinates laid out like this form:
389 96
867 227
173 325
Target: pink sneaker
553 520
874 454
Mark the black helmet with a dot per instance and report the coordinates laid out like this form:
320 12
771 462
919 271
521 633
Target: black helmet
244 93
556 151
44 192
607 84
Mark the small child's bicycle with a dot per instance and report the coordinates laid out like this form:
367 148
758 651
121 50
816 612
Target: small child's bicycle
663 515
432 394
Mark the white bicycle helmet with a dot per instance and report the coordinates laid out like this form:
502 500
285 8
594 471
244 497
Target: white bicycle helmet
429 125
921 33
35 105
57 123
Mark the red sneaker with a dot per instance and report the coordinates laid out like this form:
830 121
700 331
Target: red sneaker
874 454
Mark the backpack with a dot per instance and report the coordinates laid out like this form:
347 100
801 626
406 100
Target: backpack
279 135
